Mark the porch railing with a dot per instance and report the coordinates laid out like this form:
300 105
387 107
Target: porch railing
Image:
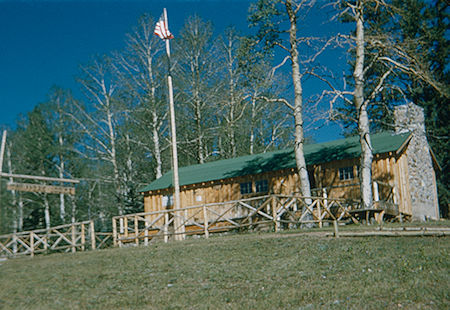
265 212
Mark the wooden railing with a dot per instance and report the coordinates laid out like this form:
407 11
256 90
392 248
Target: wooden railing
65 238
265 212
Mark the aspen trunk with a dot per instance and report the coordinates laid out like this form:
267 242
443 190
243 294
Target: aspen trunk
198 122
13 192
298 105
74 209
231 116
112 141
361 109
62 207
61 166
156 146
46 212
155 118
20 215
252 128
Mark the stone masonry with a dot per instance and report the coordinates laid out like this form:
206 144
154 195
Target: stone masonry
422 178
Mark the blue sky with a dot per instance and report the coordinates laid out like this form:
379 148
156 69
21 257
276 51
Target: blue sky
43 42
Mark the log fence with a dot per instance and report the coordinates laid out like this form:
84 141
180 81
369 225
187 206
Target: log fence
64 238
269 212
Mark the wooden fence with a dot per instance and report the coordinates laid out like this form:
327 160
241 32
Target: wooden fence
265 212
65 238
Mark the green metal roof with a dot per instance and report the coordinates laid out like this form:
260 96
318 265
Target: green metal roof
272 161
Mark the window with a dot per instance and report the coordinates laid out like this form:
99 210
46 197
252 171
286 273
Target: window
167 201
262 186
246 188
346 173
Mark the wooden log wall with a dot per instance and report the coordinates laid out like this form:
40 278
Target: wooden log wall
389 171
280 182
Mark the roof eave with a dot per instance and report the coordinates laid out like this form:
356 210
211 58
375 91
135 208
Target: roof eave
404 145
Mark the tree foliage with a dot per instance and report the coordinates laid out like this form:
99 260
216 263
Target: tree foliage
114 138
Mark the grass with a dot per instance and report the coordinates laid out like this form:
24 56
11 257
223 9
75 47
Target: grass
249 271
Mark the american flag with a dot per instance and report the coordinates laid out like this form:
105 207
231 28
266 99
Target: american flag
161 29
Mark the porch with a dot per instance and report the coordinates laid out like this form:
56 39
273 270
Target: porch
268 212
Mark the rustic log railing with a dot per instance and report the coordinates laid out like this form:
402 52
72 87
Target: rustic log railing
265 212
65 238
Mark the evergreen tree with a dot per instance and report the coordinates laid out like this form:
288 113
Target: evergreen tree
426 34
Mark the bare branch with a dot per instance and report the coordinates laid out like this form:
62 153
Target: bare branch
282 100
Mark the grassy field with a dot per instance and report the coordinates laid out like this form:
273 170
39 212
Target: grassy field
249 271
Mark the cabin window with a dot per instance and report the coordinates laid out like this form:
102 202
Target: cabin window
346 173
262 186
167 201
246 188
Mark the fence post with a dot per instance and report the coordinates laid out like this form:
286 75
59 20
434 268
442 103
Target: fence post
336 232
46 240
83 237
146 235
92 230
166 227
73 239
125 226
114 227
136 230
14 244
376 195
205 221
319 212
32 244
274 214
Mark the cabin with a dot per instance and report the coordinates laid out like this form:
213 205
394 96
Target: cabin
404 173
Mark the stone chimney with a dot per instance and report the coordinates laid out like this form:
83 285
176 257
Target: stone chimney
409 118
421 175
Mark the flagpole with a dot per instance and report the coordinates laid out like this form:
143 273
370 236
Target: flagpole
178 222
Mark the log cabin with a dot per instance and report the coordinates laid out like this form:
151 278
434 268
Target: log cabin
404 172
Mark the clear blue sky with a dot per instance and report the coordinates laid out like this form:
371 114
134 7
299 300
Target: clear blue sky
43 42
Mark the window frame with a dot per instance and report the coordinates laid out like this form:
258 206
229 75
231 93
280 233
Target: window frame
346 173
262 186
246 188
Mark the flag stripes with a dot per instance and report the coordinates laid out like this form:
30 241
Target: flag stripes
161 29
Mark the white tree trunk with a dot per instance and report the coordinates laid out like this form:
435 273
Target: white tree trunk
61 166
155 117
252 126
62 207
298 104
100 126
20 215
13 192
46 212
156 145
199 138
232 99
74 209
112 147
361 109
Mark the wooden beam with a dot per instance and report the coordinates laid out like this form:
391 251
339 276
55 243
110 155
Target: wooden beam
39 188
39 178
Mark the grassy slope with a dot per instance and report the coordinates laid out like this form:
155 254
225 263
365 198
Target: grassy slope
252 271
